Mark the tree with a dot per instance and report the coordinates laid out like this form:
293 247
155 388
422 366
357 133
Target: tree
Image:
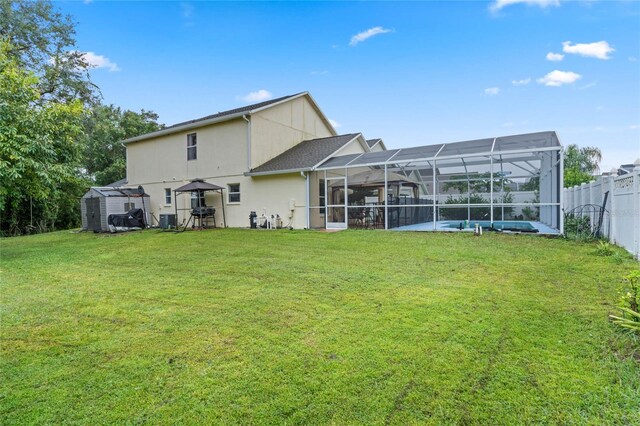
475 183
580 164
104 128
38 149
42 41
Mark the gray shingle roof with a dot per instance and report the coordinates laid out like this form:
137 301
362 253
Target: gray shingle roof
306 154
214 118
372 142
247 108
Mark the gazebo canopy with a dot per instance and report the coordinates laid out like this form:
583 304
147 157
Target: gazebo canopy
198 185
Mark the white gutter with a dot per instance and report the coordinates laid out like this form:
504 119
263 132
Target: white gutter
277 172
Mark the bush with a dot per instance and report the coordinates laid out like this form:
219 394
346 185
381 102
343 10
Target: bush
630 319
604 248
577 226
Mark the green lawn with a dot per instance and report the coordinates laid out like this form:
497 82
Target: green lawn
294 327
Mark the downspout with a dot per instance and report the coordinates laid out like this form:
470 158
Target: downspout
126 162
307 177
248 142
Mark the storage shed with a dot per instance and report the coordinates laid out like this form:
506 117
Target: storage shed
100 202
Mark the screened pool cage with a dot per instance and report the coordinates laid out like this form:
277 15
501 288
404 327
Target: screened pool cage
511 183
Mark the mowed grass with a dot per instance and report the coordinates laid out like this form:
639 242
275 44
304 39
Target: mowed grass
295 327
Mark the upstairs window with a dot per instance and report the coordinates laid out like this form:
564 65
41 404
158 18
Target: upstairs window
192 146
167 195
234 193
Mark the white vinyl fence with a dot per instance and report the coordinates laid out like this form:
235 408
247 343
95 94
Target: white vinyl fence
621 224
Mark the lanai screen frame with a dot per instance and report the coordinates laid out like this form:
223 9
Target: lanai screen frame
493 150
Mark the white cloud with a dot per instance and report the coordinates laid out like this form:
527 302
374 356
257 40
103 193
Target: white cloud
360 37
632 59
100 61
555 57
492 91
187 10
589 85
499 4
335 124
522 82
598 49
634 126
558 78
257 96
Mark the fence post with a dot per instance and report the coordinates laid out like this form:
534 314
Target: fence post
612 196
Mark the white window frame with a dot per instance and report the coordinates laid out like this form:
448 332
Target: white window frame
230 193
167 196
192 146
194 200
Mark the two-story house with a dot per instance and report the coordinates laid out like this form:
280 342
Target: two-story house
261 155
283 157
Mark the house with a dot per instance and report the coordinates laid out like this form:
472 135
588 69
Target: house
283 158
262 154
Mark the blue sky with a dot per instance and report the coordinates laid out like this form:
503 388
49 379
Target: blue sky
413 73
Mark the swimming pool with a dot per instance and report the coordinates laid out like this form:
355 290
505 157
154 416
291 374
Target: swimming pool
498 225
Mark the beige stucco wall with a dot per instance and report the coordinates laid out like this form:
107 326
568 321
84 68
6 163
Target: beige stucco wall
161 163
272 194
222 151
377 147
283 126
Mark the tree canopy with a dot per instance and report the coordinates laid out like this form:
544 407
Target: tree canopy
105 126
580 164
42 41
38 149
56 139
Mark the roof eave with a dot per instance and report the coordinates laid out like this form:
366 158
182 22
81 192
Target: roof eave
189 126
278 172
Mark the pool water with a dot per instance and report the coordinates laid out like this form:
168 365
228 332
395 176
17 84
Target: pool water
500 225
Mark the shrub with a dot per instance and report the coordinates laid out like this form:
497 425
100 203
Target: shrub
630 318
577 227
604 249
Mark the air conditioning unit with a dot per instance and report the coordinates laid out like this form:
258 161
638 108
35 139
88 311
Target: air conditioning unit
167 221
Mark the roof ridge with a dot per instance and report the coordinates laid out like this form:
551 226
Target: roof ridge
247 108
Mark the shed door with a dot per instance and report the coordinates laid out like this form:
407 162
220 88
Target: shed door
93 214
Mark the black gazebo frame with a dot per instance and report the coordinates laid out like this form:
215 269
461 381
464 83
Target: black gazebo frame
199 186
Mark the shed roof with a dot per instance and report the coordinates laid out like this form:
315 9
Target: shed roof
305 155
108 191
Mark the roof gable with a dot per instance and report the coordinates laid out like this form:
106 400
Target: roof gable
305 155
228 115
